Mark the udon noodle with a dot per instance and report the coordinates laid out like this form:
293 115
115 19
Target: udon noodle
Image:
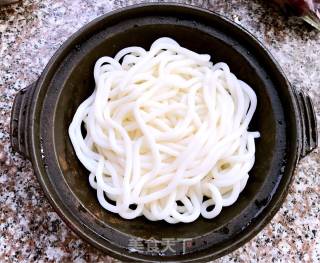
166 133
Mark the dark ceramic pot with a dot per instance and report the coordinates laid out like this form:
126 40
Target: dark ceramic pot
42 113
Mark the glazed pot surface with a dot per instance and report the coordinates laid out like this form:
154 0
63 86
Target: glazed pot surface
68 80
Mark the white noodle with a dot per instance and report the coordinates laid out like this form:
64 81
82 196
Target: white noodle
167 132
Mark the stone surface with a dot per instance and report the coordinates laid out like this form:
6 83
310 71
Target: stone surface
30 33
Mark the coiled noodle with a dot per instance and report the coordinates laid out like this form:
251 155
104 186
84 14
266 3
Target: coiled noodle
166 133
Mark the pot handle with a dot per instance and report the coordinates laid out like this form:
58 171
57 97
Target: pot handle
19 125
309 133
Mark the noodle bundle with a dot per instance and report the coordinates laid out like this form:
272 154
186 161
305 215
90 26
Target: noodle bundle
166 133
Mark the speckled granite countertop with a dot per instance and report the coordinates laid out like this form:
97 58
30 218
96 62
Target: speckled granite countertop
30 230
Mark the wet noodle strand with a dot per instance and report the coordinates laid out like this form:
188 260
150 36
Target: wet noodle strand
166 133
